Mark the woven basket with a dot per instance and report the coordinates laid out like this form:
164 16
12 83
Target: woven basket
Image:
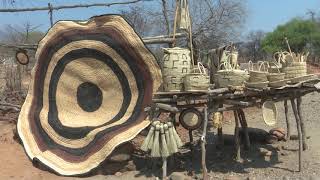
257 85
294 65
230 76
303 78
280 83
258 75
269 113
197 79
176 64
275 76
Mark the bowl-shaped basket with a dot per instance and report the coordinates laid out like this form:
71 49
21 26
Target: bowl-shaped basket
269 113
275 76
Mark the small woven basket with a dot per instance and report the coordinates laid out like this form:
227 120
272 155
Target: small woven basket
258 75
230 76
257 85
197 79
275 76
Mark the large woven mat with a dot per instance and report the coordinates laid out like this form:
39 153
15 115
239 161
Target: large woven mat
90 85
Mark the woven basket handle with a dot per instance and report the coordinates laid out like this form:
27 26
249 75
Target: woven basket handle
226 65
250 66
275 64
262 63
201 68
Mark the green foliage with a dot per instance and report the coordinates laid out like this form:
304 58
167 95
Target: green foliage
299 32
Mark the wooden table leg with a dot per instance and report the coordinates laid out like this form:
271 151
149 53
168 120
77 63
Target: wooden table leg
244 126
287 119
295 112
236 136
220 136
191 172
203 145
303 129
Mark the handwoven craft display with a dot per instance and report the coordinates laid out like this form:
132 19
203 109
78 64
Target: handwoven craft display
90 85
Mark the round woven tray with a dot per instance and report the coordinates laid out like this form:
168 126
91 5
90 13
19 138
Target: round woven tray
269 113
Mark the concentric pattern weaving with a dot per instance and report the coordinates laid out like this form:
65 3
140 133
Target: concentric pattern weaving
90 85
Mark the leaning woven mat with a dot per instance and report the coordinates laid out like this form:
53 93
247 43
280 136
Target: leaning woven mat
90 85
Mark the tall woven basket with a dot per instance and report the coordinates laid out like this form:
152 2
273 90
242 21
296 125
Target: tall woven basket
176 64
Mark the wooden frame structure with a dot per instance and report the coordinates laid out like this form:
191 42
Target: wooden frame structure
230 99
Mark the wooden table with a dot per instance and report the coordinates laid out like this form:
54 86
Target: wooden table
233 99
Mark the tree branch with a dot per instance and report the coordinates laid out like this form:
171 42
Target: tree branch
69 6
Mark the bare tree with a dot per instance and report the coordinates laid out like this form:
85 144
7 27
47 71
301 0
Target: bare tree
252 48
25 33
136 15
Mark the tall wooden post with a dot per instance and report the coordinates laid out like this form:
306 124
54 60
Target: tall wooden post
203 145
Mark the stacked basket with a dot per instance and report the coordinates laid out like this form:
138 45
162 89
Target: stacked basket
276 79
258 78
294 65
230 76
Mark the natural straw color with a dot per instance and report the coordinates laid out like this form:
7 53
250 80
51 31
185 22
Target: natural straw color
79 139
270 113
155 151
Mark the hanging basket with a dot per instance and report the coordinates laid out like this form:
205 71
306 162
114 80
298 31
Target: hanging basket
197 79
269 113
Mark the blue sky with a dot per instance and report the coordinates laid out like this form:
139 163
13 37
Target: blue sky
267 14
262 14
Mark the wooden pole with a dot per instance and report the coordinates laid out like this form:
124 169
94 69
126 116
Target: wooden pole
236 136
303 128
203 144
191 152
244 126
295 112
175 23
70 6
287 119
50 14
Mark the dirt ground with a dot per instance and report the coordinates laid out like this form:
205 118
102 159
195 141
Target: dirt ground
220 162
14 163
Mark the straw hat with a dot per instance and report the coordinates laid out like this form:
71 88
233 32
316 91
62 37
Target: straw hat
90 85
269 113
